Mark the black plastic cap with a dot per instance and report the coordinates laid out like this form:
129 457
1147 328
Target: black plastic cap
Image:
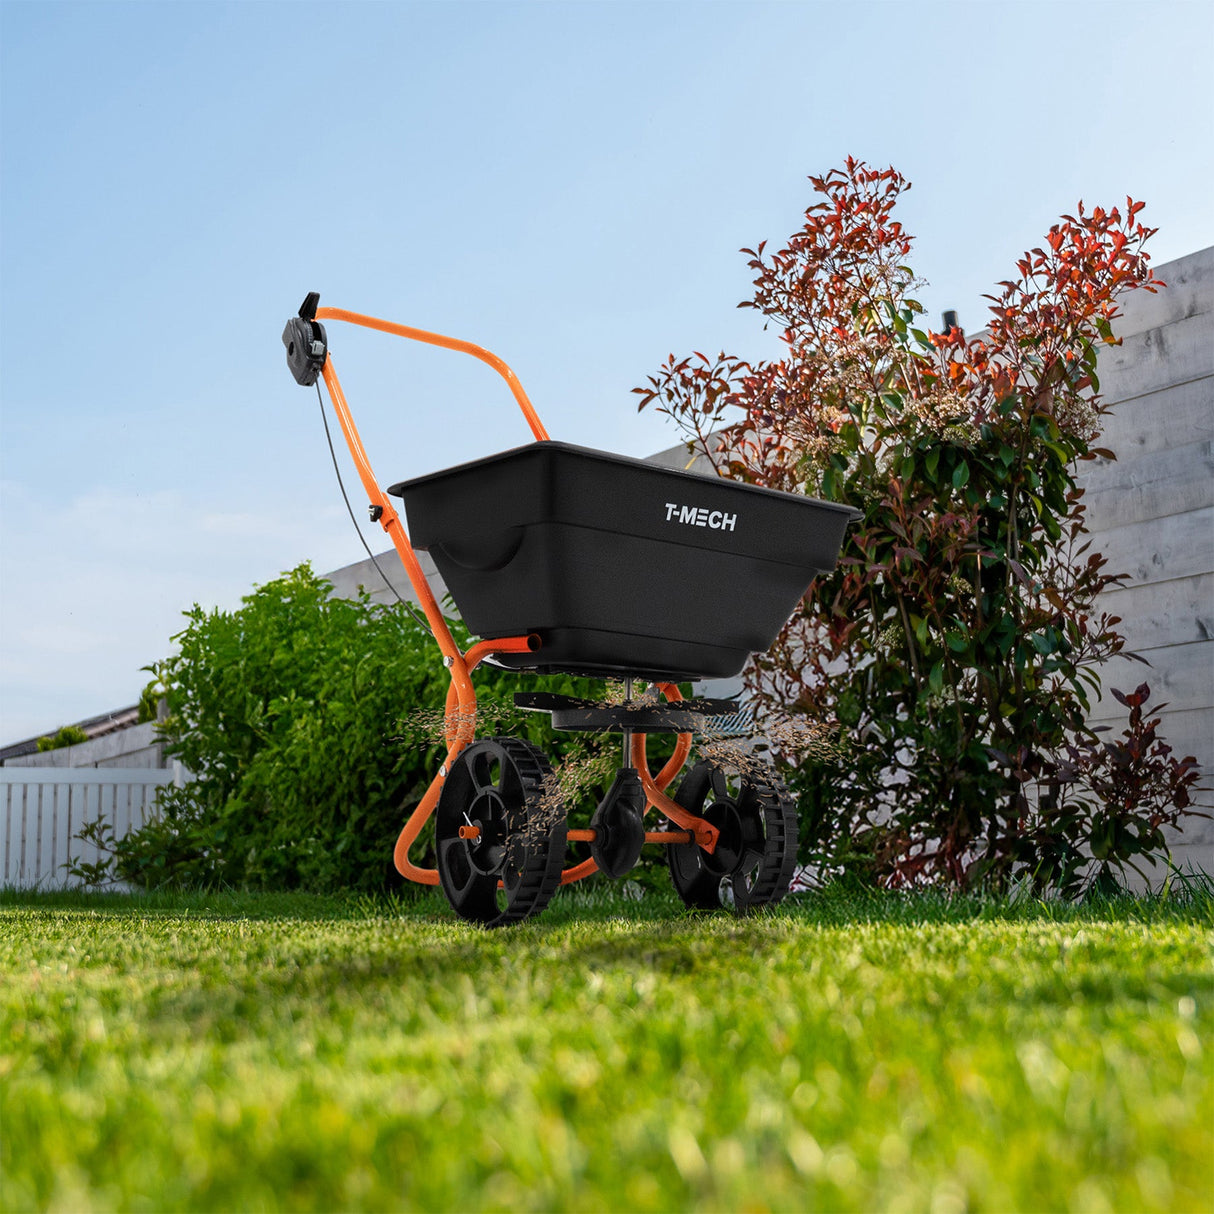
307 347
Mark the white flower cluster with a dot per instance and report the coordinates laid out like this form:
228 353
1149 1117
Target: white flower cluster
947 413
1078 415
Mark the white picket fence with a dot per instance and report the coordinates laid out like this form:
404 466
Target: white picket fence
43 809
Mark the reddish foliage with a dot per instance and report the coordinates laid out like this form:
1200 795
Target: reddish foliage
961 626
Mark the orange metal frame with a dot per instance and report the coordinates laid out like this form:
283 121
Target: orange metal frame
461 695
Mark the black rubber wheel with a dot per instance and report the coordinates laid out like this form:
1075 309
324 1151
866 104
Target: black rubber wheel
513 868
756 853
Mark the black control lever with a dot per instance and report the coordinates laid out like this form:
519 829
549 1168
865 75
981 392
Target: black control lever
306 342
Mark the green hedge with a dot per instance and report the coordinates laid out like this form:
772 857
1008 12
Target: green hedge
312 725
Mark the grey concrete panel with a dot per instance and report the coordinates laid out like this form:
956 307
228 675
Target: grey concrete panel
136 746
1190 292
1187 733
1180 675
1156 358
1189 860
1188 855
1152 487
149 757
348 579
1160 549
1169 417
1166 613
679 457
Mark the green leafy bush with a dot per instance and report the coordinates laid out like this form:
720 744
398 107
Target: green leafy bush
312 725
286 712
69 735
149 702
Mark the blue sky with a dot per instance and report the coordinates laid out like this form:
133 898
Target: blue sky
565 183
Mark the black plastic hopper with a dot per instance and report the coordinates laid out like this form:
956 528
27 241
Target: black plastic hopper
620 565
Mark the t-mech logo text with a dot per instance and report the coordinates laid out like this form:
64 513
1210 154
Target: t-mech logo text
700 516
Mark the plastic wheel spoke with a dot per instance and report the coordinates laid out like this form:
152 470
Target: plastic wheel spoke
741 892
478 770
693 791
458 865
751 857
470 893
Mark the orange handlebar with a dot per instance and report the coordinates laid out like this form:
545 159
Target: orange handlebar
461 697
448 343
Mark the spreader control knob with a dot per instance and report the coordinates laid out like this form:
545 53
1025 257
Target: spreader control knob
306 343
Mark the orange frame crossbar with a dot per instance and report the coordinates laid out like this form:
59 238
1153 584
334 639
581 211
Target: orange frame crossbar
460 718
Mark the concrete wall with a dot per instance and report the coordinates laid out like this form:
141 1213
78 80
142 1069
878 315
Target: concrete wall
1152 514
134 747
347 580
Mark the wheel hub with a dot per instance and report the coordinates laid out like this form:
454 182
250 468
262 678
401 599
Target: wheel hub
724 860
487 851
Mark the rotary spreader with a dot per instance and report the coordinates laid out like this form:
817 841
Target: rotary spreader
568 560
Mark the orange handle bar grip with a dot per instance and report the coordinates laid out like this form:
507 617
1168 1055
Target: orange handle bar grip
448 343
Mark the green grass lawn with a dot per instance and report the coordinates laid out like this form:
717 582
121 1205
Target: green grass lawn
240 1052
